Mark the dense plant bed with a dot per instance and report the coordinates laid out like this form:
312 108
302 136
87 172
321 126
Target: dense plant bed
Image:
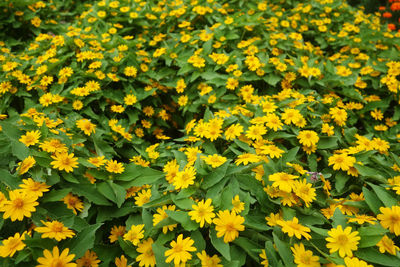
205 133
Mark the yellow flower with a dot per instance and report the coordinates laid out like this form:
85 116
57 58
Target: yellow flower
161 215
304 191
256 132
341 161
293 228
238 206
180 251
32 187
122 261
86 126
20 205
26 164
130 71
283 181
30 138
12 245
143 197
354 262
202 212
89 259
64 161
116 231
208 261
146 257
387 245
54 229
228 224
303 257
54 258
390 219
214 160
73 202
234 131
97 161
308 138
114 166
343 241
185 178
135 234
263 256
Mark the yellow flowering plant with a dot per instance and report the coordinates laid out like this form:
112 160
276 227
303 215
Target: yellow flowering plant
201 133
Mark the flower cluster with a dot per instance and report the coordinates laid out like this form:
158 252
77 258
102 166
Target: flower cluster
201 133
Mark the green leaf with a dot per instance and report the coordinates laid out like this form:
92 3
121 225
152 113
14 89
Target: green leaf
10 130
89 192
248 246
327 142
8 179
183 218
19 150
372 200
370 235
220 245
384 195
284 251
340 181
83 241
113 192
339 218
215 176
55 195
135 175
372 255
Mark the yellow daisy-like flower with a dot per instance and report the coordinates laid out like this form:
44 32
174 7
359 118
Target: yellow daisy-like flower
135 234
214 160
32 187
55 230
206 260
97 161
202 212
293 228
343 241
180 251
387 245
116 231
89 259
185 178
64 161
304 190
303 257
283 181
30 138
390 219
114 166
54 258
228 224
308 138
11 245
26 164
20 205
86 126
238 206
341 162
73 203
355 262
146 257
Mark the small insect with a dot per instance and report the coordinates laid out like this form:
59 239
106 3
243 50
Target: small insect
314 176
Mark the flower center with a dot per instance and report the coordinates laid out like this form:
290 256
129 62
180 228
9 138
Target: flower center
230 227
395 218
342 240
18 203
